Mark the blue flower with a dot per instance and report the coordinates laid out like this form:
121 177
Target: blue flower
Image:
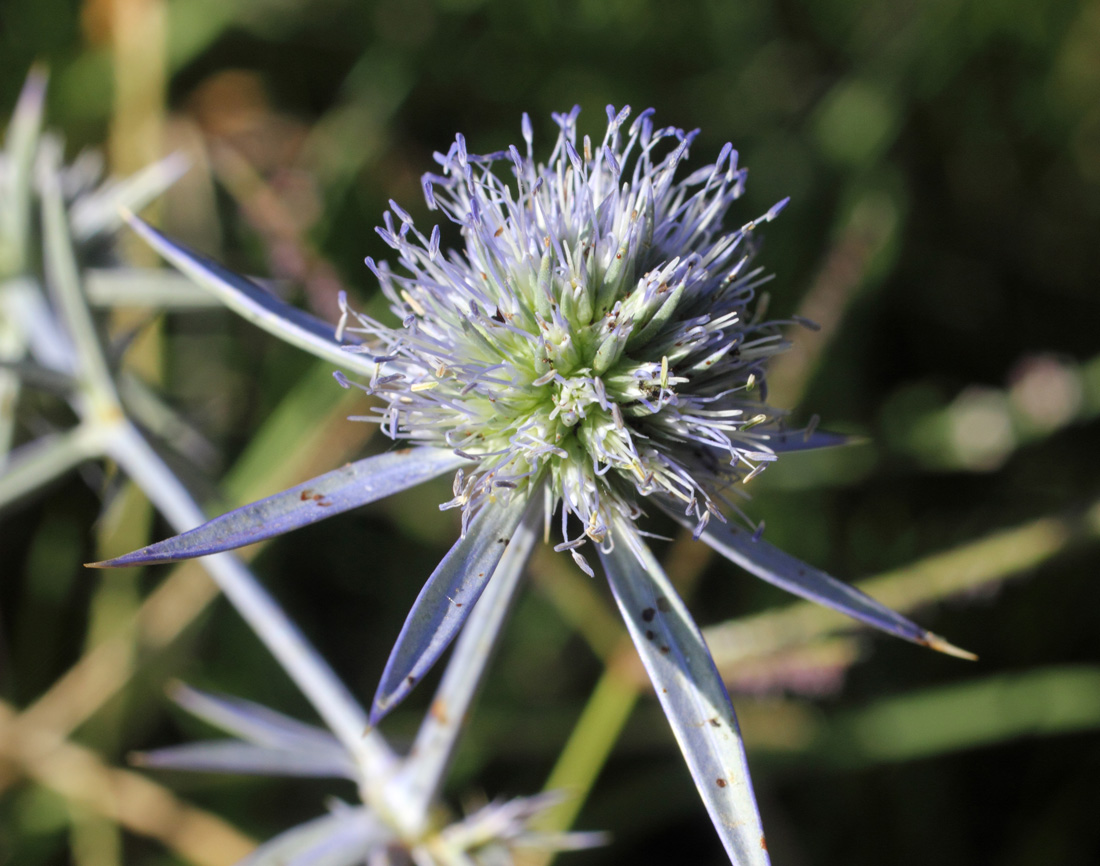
591 348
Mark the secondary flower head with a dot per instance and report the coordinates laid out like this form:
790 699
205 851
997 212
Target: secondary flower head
594 331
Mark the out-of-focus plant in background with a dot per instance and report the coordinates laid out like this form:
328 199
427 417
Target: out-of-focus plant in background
943 161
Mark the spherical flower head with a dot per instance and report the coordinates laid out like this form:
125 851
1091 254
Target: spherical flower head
594 332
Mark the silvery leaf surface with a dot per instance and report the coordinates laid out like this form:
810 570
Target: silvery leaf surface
233 756
334 492
256 304
446 600
424 771
145 287
798 440
251 721
35 464
99 212
691 693
63 279
20 143
787 572
343 838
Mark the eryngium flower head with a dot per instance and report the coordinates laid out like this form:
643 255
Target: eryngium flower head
594 331
591 345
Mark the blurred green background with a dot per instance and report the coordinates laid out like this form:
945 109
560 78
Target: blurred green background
943 160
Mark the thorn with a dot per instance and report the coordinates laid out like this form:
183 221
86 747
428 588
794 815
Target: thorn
934 641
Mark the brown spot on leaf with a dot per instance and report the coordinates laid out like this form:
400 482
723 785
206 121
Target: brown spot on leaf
763 843
721 782
411 680
662 604
439 711
306 495
648 614
714 723
649 635
664 649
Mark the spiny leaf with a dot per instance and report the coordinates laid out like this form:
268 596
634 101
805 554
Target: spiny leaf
256 304
446 601
326 495
690 691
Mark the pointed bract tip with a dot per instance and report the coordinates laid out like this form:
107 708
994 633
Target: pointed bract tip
108 563
934 641
136 557
33 94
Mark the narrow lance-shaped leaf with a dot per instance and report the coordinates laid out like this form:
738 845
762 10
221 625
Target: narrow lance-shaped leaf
690 691
425 769
785 571
446 601
99 212
256 304
145 287
233 756
36 463
20 145
64 280
326 495
250 721
800 440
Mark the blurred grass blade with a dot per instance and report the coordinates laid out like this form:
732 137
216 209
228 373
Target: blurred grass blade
333 493
690 691
256 304
983 712
785 571
447 600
